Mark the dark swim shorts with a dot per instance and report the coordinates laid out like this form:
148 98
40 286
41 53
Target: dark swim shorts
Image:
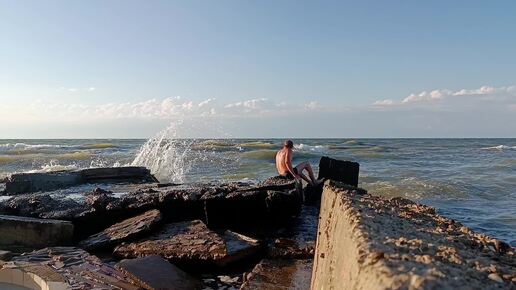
289 175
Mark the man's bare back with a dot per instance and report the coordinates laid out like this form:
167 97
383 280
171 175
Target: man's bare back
283 158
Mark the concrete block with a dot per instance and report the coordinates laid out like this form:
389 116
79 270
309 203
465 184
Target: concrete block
31 233
339 170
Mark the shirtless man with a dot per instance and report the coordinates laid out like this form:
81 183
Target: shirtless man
284 165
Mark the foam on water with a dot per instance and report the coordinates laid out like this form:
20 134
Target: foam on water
310 148
499 147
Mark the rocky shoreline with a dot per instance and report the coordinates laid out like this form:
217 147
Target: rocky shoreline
135 233
211 235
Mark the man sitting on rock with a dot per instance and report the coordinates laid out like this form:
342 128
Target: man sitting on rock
284 165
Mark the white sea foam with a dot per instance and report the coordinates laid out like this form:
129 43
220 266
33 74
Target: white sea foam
310 148
54 165
499 147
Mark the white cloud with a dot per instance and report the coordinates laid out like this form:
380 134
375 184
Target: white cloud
77 90
386 102
486 93
152 109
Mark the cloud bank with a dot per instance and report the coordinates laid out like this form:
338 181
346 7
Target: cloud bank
153 109
479 112
506 95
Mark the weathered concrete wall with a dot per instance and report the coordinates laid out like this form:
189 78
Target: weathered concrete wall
369 242
45 181
22 233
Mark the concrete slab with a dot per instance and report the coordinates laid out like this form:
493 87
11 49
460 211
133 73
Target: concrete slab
31 233
47 181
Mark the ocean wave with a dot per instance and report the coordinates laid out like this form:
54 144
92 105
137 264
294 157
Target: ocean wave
24 148
53 165
351 142
260 154
257 144
69 156
14 146
499 147
266 154
98 146
413 188
7 159
310 148
369 152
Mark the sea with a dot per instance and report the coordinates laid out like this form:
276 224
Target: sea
470 180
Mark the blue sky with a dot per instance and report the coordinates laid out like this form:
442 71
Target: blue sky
81 69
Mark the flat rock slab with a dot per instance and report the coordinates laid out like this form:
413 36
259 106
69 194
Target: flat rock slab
156 273
124 231
18 233
79 269
192 243
33 182
189 241
280 275
370 242
339 170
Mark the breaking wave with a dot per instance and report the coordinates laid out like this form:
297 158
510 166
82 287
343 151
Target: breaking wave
173 159
499 147
310 148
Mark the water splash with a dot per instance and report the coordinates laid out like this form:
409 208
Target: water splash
173 158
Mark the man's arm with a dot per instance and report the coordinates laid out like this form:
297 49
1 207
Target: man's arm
288 163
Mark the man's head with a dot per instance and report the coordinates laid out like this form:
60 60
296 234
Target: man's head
288 144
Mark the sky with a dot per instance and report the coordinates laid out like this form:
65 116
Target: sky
128 69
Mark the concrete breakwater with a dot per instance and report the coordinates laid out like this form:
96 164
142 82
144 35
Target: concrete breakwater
368 242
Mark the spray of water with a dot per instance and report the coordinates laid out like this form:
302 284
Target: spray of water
173 158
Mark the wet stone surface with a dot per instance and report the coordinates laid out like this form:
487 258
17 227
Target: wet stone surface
79 269
155 273
189 241
124 231
280 274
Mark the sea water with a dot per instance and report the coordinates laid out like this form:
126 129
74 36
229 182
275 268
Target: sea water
470 180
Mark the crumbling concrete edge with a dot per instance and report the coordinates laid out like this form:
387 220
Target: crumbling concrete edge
369 242
342 249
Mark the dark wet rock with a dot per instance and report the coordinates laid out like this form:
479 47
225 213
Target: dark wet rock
189 241
124 231
21 233
283 248
155 273
339 170
192 243
283 204
99 199
278 183
312 194
238 247
33 182
236 209
42 206
231 205
79 269
280 274
5 255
